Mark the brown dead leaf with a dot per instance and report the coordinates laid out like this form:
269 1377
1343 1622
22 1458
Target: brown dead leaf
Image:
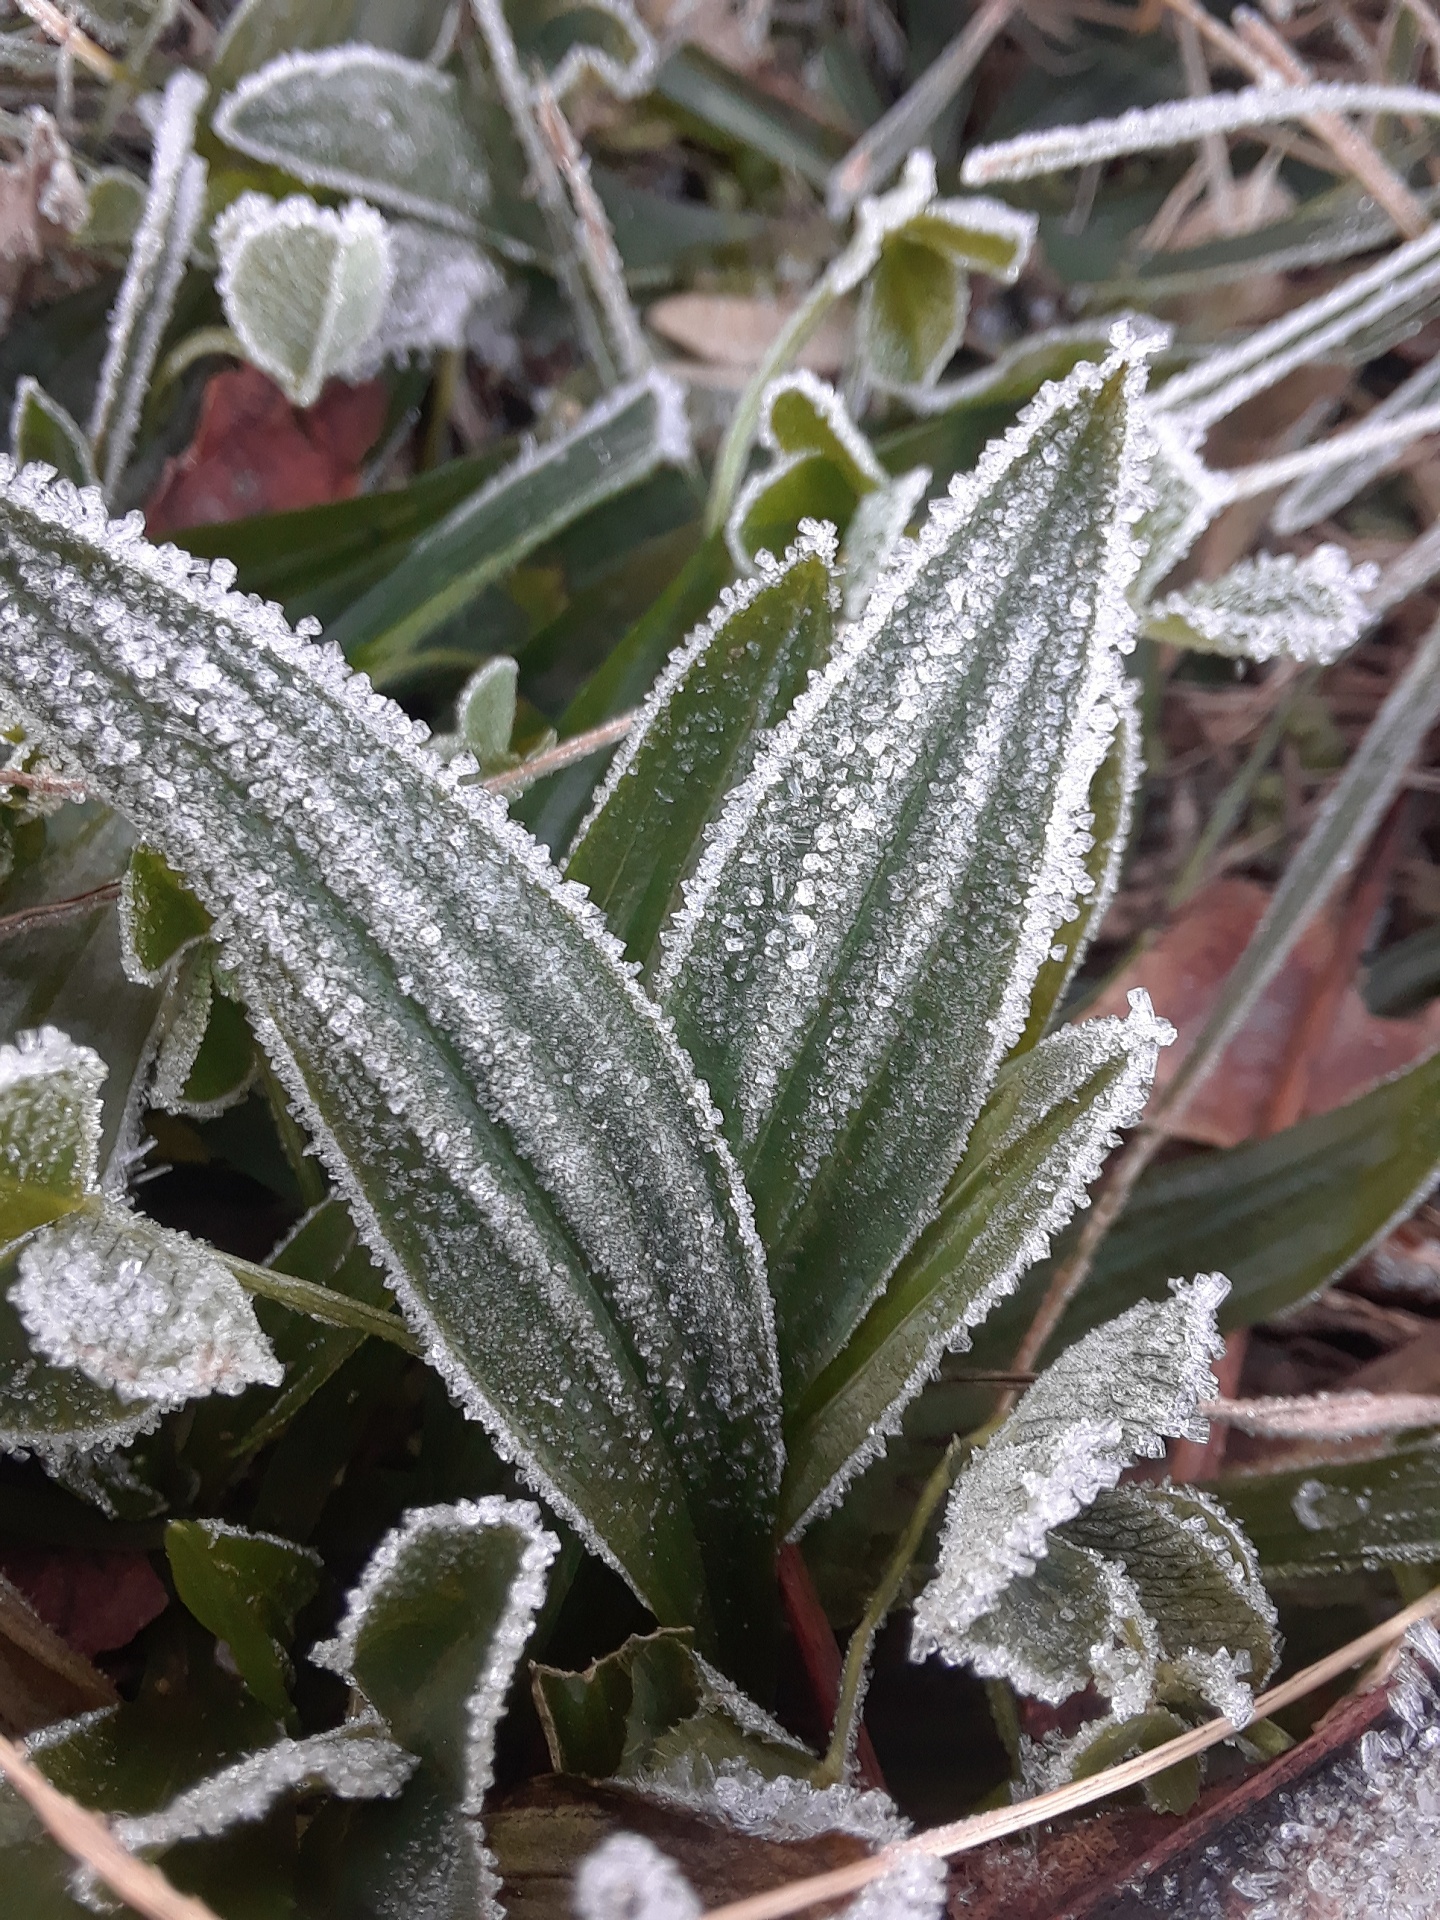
1184 972
255 453
734 330
42 1679
95 1601
41 203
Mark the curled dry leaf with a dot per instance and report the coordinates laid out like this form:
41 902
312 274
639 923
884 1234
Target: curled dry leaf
734 330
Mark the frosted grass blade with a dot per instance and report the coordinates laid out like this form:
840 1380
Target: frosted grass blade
1038 1144
697 736
1320 495
525 1148
857 948
173 206
625 438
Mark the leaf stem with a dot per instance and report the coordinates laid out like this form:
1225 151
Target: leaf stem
855 1676
321 1303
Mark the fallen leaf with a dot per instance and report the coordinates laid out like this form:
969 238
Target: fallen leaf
95 1601
734 330
41 202
42 1678
1184 972
255 453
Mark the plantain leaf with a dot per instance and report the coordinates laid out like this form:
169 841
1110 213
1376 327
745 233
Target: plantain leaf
697 736
1115 1395
41 429
1038 1144
304 288
258 30
630 434
858 946
525 1149
360 120
247 1589
173 206
1271 606
1318 1521
429 1641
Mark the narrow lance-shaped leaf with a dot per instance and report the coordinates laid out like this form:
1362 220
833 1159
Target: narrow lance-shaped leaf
1036 1147
363 121
858 946
525 1148
247 1589
696 738
173 207
41 429
430 1639
1114 1396
1271 605
621 441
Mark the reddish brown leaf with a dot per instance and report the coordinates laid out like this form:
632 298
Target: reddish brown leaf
96 1602
255 453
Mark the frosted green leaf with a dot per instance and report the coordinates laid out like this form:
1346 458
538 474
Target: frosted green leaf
247 1589
359 120
802 420
485 712
1152 1593
438 280
49 1127
1185 498
357 1761
174 203
1036 1147
303 287
185 1015
525 1148
873 536
857 948
41 430
1319 495
603 40
117 206
159 916
140 1309
1271 606
429 1640
205 1061
257 30
978 235
1113 1397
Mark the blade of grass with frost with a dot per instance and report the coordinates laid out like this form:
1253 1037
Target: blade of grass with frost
1114 1397
173 206
1036 1147
858 945
359 120
621 441
697 736
526 1150
1317 497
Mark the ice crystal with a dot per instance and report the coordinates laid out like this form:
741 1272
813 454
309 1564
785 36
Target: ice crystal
358 1761
913 1889
523 1143
303 286
139 1308
438 282
1034 1152
360 120
158 257
773 1806
856 950
872 539
628 1878
50 1112
1114 1396
1319 495
1272 605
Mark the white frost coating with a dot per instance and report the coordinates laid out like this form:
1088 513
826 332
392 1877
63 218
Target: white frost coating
1390 298
913 1889
439 280
187 1005
139 1308
879 894
816 539
872 539
412 1556
304 287
1320 494
878 216
628 1878
1272 606
513 1105
781 1807
833 433
158 256
627 78
1114 1396
1186 498
361 120
50 1111
358 1761
1177 122
1021 1218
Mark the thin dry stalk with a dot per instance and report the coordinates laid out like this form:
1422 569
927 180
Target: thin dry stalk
962 1836
1326 1416
86 1838
72 39
564 754
27 917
